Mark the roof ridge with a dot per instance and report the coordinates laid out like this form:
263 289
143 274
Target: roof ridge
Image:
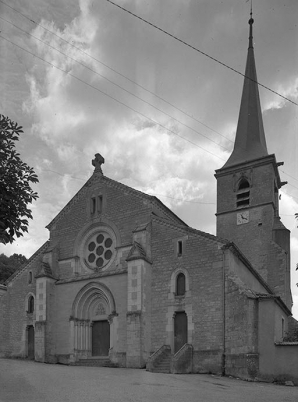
192 230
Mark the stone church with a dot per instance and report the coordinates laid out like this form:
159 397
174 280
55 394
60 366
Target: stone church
123 281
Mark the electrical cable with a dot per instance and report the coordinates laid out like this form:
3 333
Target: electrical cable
117 85
289 175
116 100
69 43
31 20
115 71
154 194
200 51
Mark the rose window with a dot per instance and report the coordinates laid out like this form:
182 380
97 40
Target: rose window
99 250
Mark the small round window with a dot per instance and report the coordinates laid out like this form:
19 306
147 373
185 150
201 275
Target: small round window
99 250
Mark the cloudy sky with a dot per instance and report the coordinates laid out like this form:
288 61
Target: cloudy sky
83 76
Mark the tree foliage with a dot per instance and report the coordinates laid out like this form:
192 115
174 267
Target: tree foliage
8 265
15 180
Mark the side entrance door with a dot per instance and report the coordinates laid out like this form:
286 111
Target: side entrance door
100 338
180 330
31 354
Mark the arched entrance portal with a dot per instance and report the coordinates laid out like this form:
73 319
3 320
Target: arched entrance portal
31 352
92 321
180 330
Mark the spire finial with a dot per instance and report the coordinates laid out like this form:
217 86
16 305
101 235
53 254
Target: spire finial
251 21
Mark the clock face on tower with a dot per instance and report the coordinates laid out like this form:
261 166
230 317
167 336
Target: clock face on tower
242 217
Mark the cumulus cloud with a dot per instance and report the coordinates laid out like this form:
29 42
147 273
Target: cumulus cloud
58 118
288 208
289 91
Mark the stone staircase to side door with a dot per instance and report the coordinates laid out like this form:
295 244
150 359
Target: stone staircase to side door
160 361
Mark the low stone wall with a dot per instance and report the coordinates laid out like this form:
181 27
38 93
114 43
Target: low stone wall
207 361
286 362
244 365
118 358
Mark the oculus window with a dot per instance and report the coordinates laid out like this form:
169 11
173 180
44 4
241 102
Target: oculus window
99 250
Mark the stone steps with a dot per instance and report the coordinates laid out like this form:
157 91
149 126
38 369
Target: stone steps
163 366
96 363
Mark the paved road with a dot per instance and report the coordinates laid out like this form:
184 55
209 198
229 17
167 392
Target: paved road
37 382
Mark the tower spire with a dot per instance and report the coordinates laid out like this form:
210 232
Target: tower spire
250 142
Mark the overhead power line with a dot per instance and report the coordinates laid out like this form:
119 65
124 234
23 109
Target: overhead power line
153 194
200 51
63 174
289 175
115 84
116 100
112 69
181 199
122 75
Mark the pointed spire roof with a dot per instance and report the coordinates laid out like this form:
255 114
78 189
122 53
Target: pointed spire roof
250 142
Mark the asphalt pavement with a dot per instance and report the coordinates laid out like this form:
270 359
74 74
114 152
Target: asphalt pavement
22 380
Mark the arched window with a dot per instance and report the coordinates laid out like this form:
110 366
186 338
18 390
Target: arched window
180 284
30 304
30 277
243 194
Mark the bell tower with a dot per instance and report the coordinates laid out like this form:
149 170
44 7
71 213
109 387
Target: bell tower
248 192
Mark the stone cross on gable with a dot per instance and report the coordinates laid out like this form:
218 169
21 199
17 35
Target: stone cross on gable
97 162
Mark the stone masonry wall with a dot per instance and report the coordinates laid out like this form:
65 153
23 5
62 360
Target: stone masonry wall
279 274
16 316
124 208
253 238
261 191
202 258
241 330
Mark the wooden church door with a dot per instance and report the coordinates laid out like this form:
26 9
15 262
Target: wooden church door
31 354
180 330
100 338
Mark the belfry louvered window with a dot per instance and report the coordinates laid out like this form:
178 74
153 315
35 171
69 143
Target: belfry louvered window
243 194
